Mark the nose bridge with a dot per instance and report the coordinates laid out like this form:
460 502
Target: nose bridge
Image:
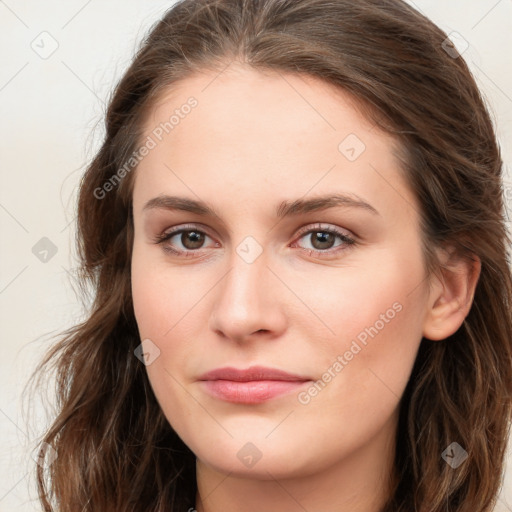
243 303
243 289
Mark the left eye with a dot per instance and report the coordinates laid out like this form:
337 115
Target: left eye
322 239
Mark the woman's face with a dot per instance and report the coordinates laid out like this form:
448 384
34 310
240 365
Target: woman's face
287 240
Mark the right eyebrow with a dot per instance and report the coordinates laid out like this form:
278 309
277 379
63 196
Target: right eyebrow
181 203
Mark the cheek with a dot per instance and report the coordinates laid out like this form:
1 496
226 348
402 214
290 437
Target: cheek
368 363
375 321
378 298
359 391
377 356
171 309
164 311
163 297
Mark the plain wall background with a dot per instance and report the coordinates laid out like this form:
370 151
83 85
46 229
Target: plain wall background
49 106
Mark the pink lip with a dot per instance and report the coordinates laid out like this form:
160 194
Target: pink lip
250 374
251 386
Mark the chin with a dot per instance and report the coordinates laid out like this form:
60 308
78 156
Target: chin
269 466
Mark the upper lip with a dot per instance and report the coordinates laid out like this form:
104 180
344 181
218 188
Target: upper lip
250 374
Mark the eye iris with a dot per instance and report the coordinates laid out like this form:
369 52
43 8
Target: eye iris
192 239
323 238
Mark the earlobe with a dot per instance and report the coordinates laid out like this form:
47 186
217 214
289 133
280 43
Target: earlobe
451 295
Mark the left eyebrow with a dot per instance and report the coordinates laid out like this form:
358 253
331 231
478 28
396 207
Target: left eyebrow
300 206
284 209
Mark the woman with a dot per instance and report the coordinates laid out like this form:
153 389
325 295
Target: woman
296 236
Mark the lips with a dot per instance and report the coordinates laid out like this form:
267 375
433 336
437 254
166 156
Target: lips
250 386
251 374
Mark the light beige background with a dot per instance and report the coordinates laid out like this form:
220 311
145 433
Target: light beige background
51 109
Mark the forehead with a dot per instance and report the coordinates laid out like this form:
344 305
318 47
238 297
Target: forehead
260 102
261 132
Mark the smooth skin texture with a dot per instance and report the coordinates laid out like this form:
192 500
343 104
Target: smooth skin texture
254 141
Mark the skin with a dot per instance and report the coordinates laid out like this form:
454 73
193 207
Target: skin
253 141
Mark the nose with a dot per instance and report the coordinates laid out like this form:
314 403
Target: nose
249 302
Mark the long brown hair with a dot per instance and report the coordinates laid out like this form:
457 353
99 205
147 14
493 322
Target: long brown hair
115 449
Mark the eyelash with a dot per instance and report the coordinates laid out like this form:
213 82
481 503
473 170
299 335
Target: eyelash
348 241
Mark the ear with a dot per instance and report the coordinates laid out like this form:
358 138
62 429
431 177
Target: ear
452 289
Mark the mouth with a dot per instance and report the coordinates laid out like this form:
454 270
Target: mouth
250 386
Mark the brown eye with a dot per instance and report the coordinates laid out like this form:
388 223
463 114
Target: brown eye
184 241
192 239
322 240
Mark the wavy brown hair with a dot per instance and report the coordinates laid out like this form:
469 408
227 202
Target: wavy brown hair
116 451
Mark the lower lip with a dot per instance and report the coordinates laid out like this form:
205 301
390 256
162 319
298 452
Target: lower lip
250 392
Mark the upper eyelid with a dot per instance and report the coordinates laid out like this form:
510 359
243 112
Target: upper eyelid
187 227
318 227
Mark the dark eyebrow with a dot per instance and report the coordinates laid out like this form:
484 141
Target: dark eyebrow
322 203
285 209
180 203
